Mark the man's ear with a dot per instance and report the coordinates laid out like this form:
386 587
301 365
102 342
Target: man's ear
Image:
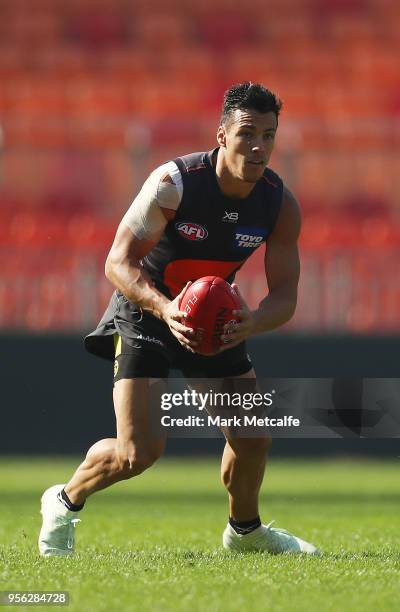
221 136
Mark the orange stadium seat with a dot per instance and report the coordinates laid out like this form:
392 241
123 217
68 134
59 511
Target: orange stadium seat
380 233
98 134
244 64
8 305
225 31
194 62
36 96
5 221
31 28
98 26
36 134
95 93
61 61
94 97
163 98
12 61
160 30
29 230
53 306
131 65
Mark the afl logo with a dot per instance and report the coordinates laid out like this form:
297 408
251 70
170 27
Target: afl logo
191 231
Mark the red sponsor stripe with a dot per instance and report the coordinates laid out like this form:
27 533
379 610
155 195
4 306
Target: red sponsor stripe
179 272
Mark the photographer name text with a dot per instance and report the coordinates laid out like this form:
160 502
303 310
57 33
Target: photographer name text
234 421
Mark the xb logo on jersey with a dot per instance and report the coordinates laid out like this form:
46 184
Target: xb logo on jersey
231 217
191 231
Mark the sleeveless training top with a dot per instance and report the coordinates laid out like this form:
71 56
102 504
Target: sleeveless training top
211 234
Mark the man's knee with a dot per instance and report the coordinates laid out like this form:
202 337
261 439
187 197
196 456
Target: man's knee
105 457
139 461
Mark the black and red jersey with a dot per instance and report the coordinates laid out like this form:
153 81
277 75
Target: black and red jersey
212 234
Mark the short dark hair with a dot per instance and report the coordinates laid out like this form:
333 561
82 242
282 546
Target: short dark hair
249 96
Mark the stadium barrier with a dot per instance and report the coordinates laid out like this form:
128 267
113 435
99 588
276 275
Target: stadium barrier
57 399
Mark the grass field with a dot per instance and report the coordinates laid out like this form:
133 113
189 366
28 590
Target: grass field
153 543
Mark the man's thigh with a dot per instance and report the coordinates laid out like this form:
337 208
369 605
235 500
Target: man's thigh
139 375
135 420
228 396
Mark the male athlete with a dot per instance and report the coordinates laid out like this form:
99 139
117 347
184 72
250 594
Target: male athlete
201 214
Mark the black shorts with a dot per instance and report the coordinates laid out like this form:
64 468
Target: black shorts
143 346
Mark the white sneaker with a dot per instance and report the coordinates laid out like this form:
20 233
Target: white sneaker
266 538
57 535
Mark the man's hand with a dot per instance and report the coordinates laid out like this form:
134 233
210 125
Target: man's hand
235 334
173 317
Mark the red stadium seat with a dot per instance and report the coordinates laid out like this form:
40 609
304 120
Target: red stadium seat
95 94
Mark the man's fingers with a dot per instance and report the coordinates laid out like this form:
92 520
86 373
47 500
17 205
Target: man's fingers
185 335
185 342
177 316
231 329
228 338
180 296
182 329
243 314
236 289
241 298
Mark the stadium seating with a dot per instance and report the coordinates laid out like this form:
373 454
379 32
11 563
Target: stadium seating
94 94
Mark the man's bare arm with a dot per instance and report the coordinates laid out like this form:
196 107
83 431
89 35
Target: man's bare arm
124 271
282 269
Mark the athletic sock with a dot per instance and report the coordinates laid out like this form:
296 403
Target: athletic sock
65 500
244 527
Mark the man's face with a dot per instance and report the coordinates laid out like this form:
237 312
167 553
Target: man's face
248 140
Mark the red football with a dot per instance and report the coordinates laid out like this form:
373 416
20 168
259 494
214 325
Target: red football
209 303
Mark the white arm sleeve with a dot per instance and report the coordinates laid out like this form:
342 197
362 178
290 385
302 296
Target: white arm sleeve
144 217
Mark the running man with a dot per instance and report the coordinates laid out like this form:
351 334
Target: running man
201 214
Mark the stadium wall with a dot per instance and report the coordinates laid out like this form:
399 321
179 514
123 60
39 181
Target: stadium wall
56 398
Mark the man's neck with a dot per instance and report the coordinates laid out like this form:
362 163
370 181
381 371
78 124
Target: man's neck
228 184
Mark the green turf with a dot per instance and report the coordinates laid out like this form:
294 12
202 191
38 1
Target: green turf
153 543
